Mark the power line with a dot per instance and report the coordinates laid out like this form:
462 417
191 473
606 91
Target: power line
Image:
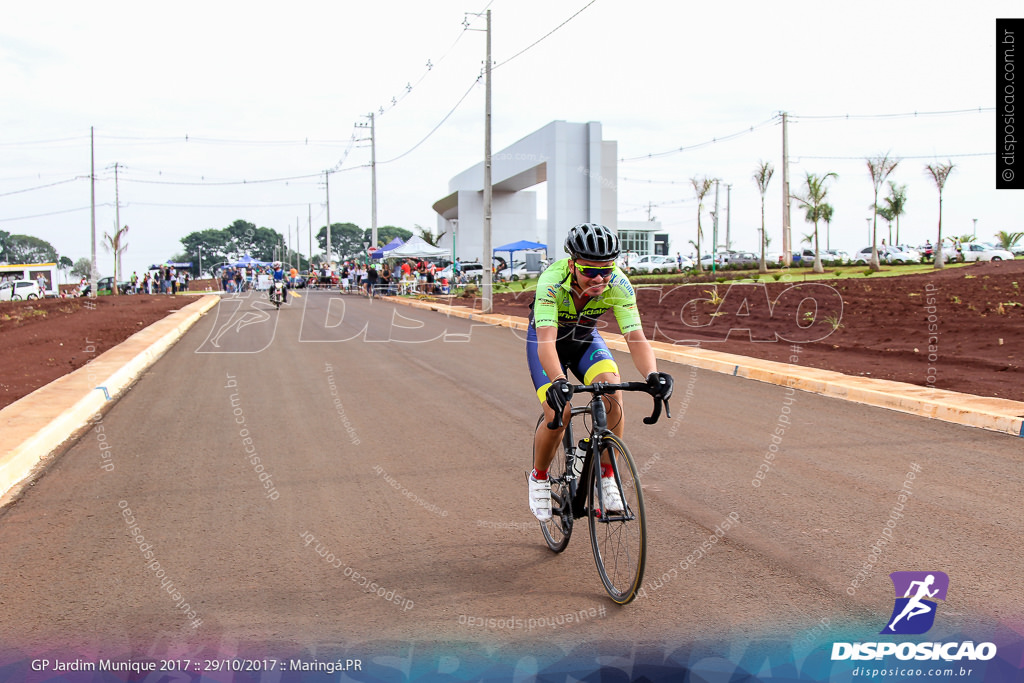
800 157
439 124
217 206
544 37
949 112
712 141
41 187
229 182
52 213
42 142
306 142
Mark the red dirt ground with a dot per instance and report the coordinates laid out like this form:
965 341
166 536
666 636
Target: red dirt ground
960 329
877 327
46 339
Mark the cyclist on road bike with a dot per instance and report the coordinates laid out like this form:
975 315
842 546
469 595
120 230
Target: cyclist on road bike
571 295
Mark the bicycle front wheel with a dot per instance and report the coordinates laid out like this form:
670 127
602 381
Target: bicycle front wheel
618 537
558 529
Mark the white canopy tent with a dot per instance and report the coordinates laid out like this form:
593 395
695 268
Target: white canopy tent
417 247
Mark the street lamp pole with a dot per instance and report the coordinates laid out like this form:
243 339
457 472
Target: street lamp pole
975 226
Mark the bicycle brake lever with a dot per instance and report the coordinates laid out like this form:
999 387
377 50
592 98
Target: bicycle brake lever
556 423
655 415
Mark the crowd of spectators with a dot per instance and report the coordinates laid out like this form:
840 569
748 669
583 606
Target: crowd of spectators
166 280
407 277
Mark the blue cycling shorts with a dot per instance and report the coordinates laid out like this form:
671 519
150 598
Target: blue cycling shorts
583 351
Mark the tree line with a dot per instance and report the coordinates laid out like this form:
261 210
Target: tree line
243 238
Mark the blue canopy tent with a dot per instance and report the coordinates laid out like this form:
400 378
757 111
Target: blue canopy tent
521 245
383 251
249 261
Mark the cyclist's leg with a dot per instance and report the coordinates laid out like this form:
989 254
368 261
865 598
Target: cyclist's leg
545 440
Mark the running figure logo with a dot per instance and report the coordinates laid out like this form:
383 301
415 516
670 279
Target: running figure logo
913 612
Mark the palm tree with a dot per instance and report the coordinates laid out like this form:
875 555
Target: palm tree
887 216
1008 240
113 243
429 237
879 167
701 186
812 202
939 172
896 203
763 176
827 211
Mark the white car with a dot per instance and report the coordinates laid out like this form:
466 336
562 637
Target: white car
17 290
977 251
519 271
472 272
888 254
653 264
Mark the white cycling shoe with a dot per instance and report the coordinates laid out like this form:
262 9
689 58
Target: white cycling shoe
540 499
610 494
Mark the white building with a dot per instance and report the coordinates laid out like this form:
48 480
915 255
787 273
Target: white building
581 174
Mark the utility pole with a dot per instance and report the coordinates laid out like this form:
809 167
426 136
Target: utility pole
487 304
787 252
728 215
373 176
487 298
117 229
327 182
309 210
92 182
714 241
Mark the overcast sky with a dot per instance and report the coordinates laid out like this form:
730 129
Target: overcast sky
192 98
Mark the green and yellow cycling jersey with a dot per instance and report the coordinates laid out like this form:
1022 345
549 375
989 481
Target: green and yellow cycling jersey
554 305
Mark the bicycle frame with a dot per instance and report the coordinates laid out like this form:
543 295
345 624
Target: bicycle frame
598 430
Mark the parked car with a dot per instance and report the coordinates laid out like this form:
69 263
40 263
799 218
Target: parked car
829 256
731 258
740 258
978 251
473 272
18 290
653 263
626 259
519 271
888 254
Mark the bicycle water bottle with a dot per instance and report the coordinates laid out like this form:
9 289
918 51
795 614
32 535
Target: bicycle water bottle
580 456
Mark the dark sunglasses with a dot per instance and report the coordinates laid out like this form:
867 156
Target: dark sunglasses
594 271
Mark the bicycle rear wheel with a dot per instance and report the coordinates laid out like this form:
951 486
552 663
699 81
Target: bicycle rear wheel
619 539
558 529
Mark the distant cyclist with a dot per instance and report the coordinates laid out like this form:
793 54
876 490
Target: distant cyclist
571 295
279 276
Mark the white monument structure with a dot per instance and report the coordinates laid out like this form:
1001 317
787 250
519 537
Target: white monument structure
581 174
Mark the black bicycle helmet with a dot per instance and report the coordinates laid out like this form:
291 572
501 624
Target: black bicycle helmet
592 242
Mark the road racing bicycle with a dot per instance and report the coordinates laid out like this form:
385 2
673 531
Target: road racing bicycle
618 539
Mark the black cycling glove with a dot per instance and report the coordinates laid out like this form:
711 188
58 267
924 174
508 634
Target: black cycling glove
558 394
660 384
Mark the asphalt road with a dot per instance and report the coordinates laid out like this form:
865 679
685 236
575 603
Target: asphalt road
388 507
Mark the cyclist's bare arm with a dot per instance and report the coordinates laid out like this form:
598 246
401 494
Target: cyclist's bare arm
641 352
